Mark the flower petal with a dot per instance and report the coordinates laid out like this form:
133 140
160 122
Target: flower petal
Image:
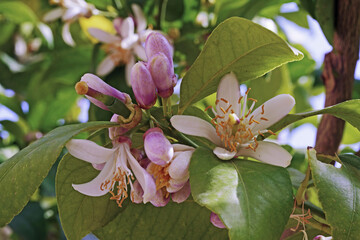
215 220
139 17
127 27
140 52
223 154
181 147
159 199
196 127
138 193
145 179
268 152
103 36
106 66
93 188
66 35
71 14
53 14
228 90
179 166
274 109
130 41
128 67
183 194
89 151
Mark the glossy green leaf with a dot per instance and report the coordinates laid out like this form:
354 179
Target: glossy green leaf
325 15
298 17
339 194
254 200
23 173
175 221
17 11
237 45
348 111
80 214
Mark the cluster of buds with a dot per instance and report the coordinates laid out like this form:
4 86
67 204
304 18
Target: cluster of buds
156 76
168 164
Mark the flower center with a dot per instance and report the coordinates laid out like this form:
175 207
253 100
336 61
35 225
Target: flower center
123 179
237 132
161 175
117 54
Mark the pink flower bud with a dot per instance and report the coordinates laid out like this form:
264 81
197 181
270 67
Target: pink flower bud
162 74
157 43
143 86
215 220
157 147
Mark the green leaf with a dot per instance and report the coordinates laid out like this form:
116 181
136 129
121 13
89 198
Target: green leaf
17 12
244 193
237 45
298 17
186 220
339 185
23 173
348 111
325 15
80 214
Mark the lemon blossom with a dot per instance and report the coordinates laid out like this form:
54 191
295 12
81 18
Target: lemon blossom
236 127
70 11
118 167
125 45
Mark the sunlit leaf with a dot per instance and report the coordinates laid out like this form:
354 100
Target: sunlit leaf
17 12
244 193
22 174
237 45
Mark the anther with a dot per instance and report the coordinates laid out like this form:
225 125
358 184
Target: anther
262 109
224 100
207 108
227 110
265 119
252 99
222 110
240 99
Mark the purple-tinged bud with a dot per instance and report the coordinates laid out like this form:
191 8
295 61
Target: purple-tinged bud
157 148
143 86
157 43
183 194
162 74
215 220
96 90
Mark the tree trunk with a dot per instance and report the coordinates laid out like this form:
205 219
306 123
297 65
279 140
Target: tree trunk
338 73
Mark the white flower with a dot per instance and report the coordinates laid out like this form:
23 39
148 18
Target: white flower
122 48
237 128
117 166
69 11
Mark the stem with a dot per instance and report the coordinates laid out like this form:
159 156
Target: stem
319 226
301 191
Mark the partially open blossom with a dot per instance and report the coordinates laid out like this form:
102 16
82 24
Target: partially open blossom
69 11
215 220
321 237
172 179
157 147
162 73
143 86
123 48
91 85
118 167
236 127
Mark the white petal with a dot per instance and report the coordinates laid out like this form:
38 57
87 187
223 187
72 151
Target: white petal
66 35
223 154
196 127
268 152
130 41
139 17
53 15
229 90
103 36
182 147
106 66
71 14
179 166
93 188
127 27
274 109
145 179
176 184
128 68
89 151
140 52
183 194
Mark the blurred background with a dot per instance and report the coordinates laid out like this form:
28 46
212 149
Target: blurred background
38 71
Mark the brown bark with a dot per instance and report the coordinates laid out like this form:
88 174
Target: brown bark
338 73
